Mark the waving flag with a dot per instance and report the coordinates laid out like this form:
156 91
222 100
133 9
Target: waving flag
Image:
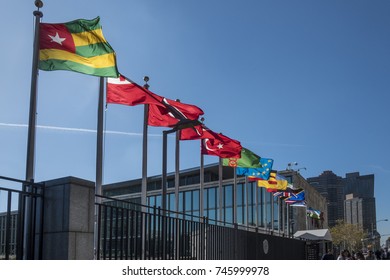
172 112
123 91
77 46
217 144
262 172
248 159
193 133
162 111
296 198
313 213
283 194
273 182
214 144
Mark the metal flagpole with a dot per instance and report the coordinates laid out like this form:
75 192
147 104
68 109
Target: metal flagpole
177 171
201 179
220 190
33 97
201 186
279 216
145 151
99 164
144 184
99 139
177 183
234 196
30 157
247 200
164 186
272 212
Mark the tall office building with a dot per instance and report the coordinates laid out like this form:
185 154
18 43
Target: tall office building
331 187
350 199
360 201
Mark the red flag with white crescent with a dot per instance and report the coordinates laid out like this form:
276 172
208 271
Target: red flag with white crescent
217 144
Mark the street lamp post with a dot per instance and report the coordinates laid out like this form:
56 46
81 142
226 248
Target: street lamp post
373 236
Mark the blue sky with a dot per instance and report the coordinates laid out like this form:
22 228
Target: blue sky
305 81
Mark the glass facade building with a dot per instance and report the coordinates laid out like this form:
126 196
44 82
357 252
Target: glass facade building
227 199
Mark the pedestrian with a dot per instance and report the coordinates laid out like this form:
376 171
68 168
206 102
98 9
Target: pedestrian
342 255
328 255
370 255
359 256
348 255
378 254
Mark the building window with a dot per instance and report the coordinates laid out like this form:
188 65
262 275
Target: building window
211 204
228 204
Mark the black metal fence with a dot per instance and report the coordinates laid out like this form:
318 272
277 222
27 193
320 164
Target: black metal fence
21 215
131 231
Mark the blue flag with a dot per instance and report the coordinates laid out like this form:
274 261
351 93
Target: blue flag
295 198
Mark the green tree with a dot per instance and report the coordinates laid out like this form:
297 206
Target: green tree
347 236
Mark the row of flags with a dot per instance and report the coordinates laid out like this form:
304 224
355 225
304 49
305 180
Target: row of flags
80 46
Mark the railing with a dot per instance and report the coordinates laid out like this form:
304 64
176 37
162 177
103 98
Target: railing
127 232
21 213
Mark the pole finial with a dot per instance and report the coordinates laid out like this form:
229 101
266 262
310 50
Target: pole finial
146 80
38 4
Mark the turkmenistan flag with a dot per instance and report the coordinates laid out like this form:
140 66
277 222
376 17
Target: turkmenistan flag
77 46
248 159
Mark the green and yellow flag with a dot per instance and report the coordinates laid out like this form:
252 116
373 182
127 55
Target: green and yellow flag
77 46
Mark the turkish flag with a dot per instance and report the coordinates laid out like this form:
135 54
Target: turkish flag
217 144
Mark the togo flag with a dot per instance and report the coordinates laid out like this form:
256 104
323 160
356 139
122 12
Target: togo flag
77 46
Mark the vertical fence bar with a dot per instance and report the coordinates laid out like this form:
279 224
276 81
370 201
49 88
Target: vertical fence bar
153 240
116 232
99 226
136 238
20 227
42 209
122 233
168 237
143 222
126 235
7 242
137 227
132 239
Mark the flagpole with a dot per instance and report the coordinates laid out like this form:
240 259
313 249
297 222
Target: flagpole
145 151
99 139
272 213
220 188
201 186
30 156
234 196
201 178
99 163
288 220
279 216
30 160
177 171
144 184
247 200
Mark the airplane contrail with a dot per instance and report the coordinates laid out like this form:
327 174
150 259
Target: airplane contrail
72 129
